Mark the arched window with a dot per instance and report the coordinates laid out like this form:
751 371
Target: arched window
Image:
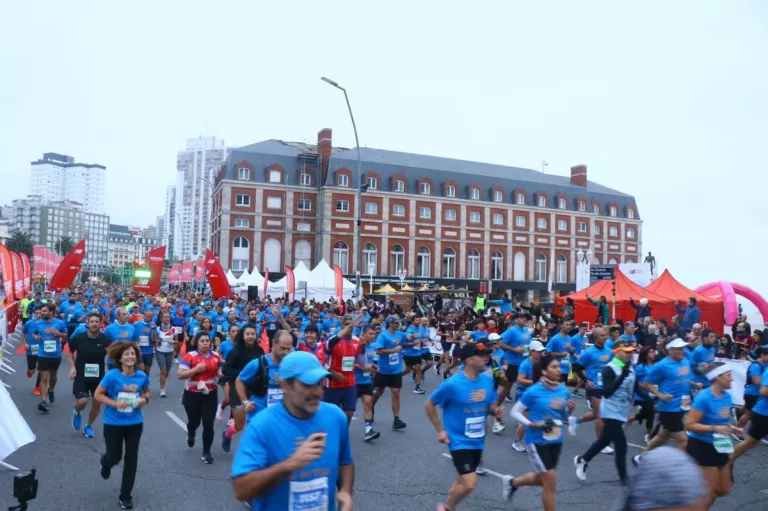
398 259
497 265
240 253
541 268
302 253
519 267
612 261
473 264
423 262
449 263
272 256
369 258
341 256
562 268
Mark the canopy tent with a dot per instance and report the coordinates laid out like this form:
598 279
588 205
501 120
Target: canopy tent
243 278
324 283
661 307
231 279
387 290
300 274
255 278
712 309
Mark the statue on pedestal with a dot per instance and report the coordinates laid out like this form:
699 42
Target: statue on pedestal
652 261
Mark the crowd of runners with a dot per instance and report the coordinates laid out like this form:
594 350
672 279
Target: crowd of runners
288 377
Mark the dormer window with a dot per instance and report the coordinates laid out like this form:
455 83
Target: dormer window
475 194
450 191
542 201
425 189
343 180
399 185
520 199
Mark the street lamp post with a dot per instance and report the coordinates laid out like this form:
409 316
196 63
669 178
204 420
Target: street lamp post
358 252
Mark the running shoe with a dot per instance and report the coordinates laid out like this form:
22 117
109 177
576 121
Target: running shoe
507 490
190 440
607 450
418 390
481 470
636 460
36 391
498 426
518 446
371 435
413 378
77 420
163 393
207 458
397 424
581 468
105 471
226 442
126 503
43 407
51 397
573 425
88 431
219 413
29 374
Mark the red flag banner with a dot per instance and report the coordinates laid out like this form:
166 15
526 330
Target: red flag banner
339 284
18 276
186 271
50 263
39 259
27 272
68 268
155 261
217 279
6 268
174 276
266 281
291 283
200 270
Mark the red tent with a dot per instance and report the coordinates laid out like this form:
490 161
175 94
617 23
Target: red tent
712 310
661 307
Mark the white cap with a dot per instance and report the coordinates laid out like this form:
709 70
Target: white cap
494 337
643 301
536 346
677 343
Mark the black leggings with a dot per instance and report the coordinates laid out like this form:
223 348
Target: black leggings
578 370
613 432
646 414
114 437
201 408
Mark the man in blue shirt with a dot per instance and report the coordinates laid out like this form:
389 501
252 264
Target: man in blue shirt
296 454
691 313
49 333
703 356
389 349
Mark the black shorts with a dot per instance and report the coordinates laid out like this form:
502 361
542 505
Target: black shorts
466 460
543 457
511 373
577 368
758 426
447 346
411 361
364 389
595 393
84 388
705 454
426 356
393 381
48 364
234 399
672 421
147 359
750 401
31 362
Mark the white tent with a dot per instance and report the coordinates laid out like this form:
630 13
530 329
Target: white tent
300 274
231 279
255 278
324 282
243 278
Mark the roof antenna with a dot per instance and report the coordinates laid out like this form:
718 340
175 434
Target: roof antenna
544 166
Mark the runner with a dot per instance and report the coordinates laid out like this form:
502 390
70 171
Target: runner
49 333
224 348
514 342
524 380
32 348
577 347
645 361
120 330
144 334
466 399
86 371
412 354
124 391
390 372
752 388
165 345
365 367
341 352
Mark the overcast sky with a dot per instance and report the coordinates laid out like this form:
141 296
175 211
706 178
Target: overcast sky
663 100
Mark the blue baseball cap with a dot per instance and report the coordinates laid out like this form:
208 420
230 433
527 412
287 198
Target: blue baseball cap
303 366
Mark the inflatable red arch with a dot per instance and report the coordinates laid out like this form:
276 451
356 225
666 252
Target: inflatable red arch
727 291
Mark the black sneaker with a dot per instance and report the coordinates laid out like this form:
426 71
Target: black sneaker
126 503
51 397
105 471
418 390
207 458
190 440
226 442
43 407
372 435
398 425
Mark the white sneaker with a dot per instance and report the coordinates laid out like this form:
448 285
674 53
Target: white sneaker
498 427
163 393
607 450
219 413
647 438
636 460
581 468
573 425
518 446
481 470
506 488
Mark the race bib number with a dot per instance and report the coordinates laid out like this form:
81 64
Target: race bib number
685 403
474 427
177 330
274 396
143 340
394 359
347 364
722 443
69 318
525 350
555 434
92 370
600 378
271 327
34 349
49 346
129 398
309 495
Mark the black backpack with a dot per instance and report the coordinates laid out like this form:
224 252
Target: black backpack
260 384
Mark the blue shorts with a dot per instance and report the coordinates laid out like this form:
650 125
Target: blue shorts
345 398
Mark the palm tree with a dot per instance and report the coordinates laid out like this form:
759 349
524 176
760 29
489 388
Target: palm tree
20 242
64 245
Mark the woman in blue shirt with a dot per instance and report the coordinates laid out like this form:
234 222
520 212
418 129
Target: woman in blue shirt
709 430
645 360
123 393
752 388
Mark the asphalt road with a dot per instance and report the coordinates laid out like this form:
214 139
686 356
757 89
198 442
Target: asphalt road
405 470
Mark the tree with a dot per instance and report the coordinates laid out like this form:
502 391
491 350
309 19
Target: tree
64 245
20 242
113 276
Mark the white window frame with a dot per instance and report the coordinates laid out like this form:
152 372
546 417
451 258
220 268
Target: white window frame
581 205
274 202
581 227
397 259
306 179
520 221
371 208
612 211
450 191
243 199
540 266
396 208
562 203
341 256
449 263
425 189
475 194
244 174
541 201
498 196
373 183
561 269
474 217
242 223
562 225
305 203
520 198
473 264
273 173
630 213
370 255
497 265
596 209
597 229
399 185
613 231
631 233
541 223
343 180
498 219
423 262
450 214
425 212
342 205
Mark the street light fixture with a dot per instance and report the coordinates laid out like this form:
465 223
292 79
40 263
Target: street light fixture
358 252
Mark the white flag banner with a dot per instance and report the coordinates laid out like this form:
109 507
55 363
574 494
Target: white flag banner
739 371
14 430
639 273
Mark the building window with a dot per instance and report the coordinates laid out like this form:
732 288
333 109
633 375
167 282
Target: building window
582 226
597 229
562 225
562 203
373 183
562 268
399 185
303 253
612 211
497 265
630 233
423 262
424 189
244 174
612 261
542 201
581 205
630 213
341 256
239 264
397 259
242 199
474 217
343 180
306 179
498 196
274 202
342 205
520 221
369 258
541 223
450 214
596 209
473 264
475 194
371 208
240 253
449 263
613 231
498 219
541 268
242 222
275 176
398 210
425 212
305 205
450 191
520 198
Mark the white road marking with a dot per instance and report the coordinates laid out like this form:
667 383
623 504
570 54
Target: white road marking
175 418
635 445
487 470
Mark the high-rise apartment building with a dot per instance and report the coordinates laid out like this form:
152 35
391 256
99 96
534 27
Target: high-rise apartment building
48 221
57 177
170 224
96 233
126 247
160 223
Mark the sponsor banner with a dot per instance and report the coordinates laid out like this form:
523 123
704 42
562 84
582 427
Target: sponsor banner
601 272
186 272
27 272
339 284
68 268
216 277
18 276
174 276
200 270
639 273
6 268
154 264
291 283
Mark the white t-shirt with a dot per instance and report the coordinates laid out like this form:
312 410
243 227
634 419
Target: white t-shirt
166 340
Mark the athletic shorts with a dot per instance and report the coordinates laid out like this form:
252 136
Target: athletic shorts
164 360
411 361
576 368
705 454
511 373
447 346
234 399
758 426
48 364
595 393
364 389
147 360
672 421
543 457
466 460
31 362
749 401
83 389
345 398
426 356
393 381
564 377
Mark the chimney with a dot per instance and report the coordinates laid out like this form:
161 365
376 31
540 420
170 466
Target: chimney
324 147
579 175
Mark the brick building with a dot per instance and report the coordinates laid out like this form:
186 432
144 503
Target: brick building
445 221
